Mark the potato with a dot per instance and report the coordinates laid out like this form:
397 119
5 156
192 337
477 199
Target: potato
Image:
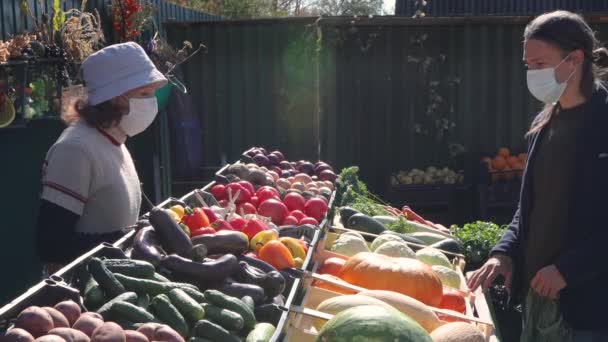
50 338
93 314
59 320
134 336
167 334
17 335
70 335
35 320
148 330
109 332
70 310
87 324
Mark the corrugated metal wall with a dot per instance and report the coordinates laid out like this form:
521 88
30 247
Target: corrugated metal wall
257 86
449 8
12 21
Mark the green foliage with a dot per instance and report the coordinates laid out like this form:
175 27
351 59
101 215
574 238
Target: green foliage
347 7
350 191
400 226
477 239
58 15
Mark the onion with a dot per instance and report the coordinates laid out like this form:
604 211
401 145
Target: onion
299 186
304 178
273 174
283 183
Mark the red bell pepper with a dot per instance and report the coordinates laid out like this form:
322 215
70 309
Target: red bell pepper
197 219
219 225
210 214
202 231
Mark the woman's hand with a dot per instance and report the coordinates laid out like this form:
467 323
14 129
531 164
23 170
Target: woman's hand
499 264
548 282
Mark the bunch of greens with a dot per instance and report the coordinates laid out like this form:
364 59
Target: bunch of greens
477 239
400 226
351 191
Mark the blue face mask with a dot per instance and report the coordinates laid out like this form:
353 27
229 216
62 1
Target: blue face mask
544 86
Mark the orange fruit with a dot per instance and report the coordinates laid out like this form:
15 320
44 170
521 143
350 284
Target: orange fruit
523 157
499 163
513 161
504 152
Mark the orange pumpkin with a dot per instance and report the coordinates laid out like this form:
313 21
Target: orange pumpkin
504 152
332 266
404 275
499 163
453 300
331 287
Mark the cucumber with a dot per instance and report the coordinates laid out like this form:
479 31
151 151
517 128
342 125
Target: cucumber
168 314
151 287
130 267
143 300
230 320
364 223
129 297
106 279
199 339
214 332
386 219
234 304
249 302
261 333
159 277
186 305
93 295
194 294
427 238
131 313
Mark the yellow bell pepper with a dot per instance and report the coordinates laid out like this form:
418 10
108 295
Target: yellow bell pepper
179 210
262 238
299 262
294 246
174 215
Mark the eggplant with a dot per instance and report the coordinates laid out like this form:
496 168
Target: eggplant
240 290
199 252
273 282
220 179
223 242
262 265
145 246
346 213
289 280
171 237
112 252
448 245
208 271
278 300
268 313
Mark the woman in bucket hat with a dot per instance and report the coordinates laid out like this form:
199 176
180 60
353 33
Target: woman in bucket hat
91 190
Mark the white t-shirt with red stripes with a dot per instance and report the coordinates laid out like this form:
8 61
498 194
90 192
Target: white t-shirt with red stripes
89 171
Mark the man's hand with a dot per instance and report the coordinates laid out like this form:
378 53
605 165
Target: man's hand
499 264
548 282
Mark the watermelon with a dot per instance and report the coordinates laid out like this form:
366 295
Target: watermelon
372 323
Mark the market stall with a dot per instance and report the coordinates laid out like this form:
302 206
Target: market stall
270 250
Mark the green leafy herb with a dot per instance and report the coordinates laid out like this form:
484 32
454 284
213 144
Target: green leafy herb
351 191
400 226
477 239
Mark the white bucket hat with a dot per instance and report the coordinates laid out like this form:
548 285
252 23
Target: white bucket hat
116 69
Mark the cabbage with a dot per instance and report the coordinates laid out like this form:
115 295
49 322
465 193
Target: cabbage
384 238
448 276
349 245
396 249
432 256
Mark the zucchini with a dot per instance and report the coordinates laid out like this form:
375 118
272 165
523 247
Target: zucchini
234 304
130 267
214 332
421 228
386 219
151 287
93 295
168 314
186 305
143 300
448 245
427 238
129 297
364 223
106 279
131 313
261 333
249 302
346 213
194 294
230 320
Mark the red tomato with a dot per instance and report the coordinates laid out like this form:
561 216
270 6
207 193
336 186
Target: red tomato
316 208
294 201
244 195
248 186
219 192
246 208
255 201
266 193
202 231
275 209
309 220
238 223
222 225
266 187
297 214
223 203
290 220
